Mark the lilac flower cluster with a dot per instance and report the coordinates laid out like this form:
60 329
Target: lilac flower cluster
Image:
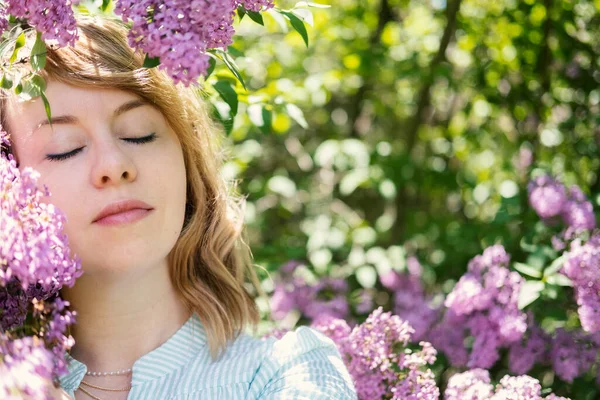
325 297
550 199
574 353
26 368
476 385
378 358
582 267
53 18
410 302
35 263
484 305
33 247
531 350
181 32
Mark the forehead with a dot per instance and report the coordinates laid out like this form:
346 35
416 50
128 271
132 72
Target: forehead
64 100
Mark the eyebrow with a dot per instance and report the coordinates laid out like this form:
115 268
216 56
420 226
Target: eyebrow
70 119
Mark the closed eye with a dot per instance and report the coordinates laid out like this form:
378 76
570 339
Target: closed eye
64 156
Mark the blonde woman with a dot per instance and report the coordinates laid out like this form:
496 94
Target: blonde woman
133 161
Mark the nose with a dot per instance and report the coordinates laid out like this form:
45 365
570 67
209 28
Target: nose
112 165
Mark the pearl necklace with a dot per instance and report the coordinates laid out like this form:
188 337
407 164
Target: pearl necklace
120 372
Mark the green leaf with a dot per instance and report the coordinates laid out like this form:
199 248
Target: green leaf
234 52
105 5
280 19
212 63
267 116
19 88
309 4
47 108
305 15
231 65
528 247
32 87
298 25
38 53
527 270
39 82
530 291
241 12
228 93
256 17
260 116
227 123
20 42
151 62
6 81
555 266
297 115
560 280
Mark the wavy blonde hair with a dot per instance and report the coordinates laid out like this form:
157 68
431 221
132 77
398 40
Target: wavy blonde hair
210 263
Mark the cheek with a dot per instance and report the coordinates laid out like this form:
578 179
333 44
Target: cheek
65 194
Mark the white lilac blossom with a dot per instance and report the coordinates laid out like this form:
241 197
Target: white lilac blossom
476 384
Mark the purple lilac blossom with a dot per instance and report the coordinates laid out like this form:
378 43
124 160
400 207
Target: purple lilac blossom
35 263
13 305
546 196
531 350
53 18
26 369
326 297
364 304
578 211
336 329
582 267
410 301
33 246
181 32
282 301
276 333
376 356
572 353
484 304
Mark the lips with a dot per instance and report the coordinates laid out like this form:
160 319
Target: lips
122 206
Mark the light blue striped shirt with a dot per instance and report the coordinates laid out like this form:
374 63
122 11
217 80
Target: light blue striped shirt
304 364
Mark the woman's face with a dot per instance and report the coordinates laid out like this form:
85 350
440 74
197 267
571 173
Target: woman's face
100 165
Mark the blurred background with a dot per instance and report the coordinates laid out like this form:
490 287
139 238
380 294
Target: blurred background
409 128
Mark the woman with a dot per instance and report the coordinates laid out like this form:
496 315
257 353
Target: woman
133 162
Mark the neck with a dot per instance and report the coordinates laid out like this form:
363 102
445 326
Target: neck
121 318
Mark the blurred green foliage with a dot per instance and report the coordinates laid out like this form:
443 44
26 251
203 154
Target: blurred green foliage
420 124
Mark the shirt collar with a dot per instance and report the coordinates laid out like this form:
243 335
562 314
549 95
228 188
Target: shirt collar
176 352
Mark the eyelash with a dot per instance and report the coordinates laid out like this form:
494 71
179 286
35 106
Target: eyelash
64 156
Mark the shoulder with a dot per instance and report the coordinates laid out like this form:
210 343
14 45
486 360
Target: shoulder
302 364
